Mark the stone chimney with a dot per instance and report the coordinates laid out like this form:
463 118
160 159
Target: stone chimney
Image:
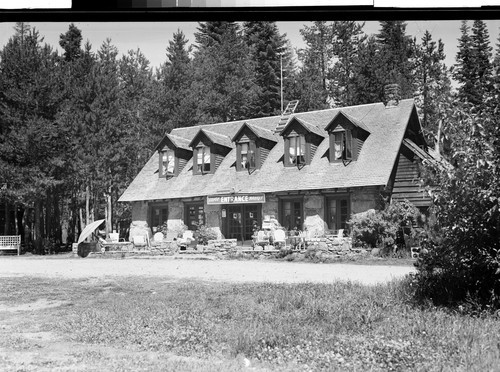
392 95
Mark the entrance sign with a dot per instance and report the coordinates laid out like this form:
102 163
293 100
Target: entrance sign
236 199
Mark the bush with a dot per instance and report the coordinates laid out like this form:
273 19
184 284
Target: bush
204 234
380 228
461 264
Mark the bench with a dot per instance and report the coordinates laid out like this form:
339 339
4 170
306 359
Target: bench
10 243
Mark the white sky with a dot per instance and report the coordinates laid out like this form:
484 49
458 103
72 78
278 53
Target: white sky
152 37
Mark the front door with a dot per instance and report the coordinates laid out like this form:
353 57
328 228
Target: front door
240 220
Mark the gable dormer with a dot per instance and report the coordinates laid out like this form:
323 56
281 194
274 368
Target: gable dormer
173 154
347 136
209 149
301 142
253 144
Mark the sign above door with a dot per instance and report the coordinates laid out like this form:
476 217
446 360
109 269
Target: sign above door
236 199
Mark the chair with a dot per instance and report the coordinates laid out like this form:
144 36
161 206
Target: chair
139 241
262 239
187 239
279 238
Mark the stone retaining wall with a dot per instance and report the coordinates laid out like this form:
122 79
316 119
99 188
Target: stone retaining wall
324 248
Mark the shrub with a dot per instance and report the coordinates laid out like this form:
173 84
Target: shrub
380 228
462 264
204 234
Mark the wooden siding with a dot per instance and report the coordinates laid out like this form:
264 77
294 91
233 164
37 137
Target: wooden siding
218 160
407 182
264 152
313 151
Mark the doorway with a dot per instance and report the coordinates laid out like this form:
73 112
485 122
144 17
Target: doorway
240 220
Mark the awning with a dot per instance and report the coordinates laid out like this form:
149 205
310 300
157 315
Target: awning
88 230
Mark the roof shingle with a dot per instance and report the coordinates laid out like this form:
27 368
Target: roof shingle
372 168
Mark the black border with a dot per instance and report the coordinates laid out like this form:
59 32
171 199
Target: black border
82 12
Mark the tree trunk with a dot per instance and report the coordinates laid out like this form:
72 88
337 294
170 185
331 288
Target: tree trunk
82 225
16 222
37 233
109 210
87 206
438 139
7 214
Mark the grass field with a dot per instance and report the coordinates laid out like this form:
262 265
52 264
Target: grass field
153 324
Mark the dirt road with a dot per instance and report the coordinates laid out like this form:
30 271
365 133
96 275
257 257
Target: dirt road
229 271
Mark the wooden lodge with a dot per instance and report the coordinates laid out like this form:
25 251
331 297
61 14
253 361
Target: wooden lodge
309 170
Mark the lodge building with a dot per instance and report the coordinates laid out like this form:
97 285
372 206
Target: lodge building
309 170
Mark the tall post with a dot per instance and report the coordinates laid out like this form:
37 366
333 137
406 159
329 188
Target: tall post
281 80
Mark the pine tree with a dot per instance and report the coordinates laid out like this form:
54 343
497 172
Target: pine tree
396 49
434 86
481 65
369 75
268 50
176 77
462 71
210 33
347 37
224 79
319 49
71 43
32 146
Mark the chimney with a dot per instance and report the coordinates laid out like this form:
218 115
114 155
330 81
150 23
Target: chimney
392 95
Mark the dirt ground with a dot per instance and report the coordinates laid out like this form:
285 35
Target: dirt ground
218 270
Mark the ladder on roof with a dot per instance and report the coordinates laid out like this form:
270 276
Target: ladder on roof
290 109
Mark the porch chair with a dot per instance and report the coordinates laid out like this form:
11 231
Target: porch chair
140 241
279 238
339 238
262 239
186 240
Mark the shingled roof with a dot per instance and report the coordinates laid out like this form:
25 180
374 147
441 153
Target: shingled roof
310 127
372 168
176 141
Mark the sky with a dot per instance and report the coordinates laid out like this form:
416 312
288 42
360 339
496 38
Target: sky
152 37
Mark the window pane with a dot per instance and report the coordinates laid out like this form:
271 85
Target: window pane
244 148
332 211
206 158
343 213
170 161
199 159
337 146
301 146
203 159
348 145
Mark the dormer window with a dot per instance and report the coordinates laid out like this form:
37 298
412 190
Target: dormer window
209 149
168 163
296 150
301 142
347 135
203 160
253 144
173 153
342 145
246 156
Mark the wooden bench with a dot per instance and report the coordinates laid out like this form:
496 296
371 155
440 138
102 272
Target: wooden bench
10 243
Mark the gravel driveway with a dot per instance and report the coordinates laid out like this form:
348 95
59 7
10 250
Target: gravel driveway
230 271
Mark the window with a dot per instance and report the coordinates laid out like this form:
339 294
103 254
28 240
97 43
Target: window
296 150
291 214
159 215
194 215
337 213
342 145
203 160
246 156
168 162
